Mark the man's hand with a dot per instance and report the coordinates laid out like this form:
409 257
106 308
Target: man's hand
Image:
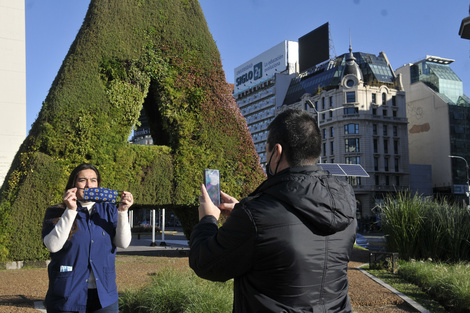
206 206
227 203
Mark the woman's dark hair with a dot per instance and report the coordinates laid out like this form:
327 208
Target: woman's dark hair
73 176
298 134
59 209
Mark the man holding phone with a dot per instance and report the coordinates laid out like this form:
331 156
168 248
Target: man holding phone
288 244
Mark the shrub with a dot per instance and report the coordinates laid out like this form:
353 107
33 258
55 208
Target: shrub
422 228
179 292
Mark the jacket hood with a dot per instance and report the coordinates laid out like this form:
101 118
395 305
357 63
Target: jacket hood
324 202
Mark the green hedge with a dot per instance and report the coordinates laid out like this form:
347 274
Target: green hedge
129 55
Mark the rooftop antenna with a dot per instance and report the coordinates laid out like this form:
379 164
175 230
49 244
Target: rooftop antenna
332 45
350 45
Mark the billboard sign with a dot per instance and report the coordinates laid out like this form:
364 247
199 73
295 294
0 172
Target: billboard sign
314 47
264 65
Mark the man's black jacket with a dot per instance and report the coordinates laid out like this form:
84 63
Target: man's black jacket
287 245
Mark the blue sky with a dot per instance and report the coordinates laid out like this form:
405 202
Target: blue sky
405 30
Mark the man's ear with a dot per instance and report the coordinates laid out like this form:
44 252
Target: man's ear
277 152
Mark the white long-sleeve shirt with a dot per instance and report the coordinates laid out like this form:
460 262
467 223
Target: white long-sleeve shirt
56 239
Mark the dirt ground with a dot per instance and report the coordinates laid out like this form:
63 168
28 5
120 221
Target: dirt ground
19 289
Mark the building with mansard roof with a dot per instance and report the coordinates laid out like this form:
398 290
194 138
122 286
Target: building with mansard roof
360 106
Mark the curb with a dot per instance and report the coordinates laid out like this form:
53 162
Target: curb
39 305
16 265
405 298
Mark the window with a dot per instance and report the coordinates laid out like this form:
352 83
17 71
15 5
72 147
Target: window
394 113
376 146
350 83
332 148
397 162
324 149
323 132
316 105
352 145
322 103
374 111
332 132
331 114
350 97
354 181
377 180
397 180
394 101
323 116
374 98
384 98
331 102
395 146
387 180
352 110
386 164
376 164
352 160
384 112
351 128
385 129
385 146
374 129
395 131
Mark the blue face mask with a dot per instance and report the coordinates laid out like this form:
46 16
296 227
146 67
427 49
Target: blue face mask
100 194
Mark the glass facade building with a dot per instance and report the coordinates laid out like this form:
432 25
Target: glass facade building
439 115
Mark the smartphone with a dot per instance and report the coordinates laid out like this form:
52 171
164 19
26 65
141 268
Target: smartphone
212 183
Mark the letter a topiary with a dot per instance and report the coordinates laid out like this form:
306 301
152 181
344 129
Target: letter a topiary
131 55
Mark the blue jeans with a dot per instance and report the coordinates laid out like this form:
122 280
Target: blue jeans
93 305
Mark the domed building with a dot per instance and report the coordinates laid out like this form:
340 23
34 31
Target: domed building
360 106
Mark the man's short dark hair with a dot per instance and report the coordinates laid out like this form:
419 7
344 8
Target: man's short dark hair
298 134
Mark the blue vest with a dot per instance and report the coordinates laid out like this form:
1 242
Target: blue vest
90 248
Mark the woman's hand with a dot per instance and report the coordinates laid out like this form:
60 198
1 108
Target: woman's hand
127 200
70 199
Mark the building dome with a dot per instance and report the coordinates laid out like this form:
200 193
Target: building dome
352 68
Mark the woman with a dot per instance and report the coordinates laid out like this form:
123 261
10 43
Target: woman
82 238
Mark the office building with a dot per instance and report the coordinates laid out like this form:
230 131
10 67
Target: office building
439 122
141 135
259 84
360 108
12 82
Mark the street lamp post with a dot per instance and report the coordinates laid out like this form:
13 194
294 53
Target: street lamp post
466 170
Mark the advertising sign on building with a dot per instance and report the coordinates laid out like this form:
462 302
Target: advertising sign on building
265 65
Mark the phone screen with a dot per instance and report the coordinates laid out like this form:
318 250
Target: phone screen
212 183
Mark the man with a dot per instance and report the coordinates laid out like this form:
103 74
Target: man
288 244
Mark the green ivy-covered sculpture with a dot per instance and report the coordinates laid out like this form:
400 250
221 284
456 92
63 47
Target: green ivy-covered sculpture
128 55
